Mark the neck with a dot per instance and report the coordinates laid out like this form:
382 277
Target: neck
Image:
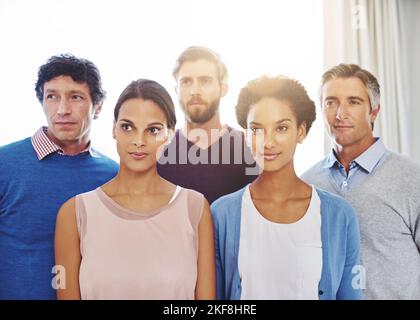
281 183
347 154
204 134
70 147
129 182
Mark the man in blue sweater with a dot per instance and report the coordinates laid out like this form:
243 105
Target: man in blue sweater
38 174
381 185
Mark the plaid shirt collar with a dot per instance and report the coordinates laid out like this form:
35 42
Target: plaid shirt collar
44 146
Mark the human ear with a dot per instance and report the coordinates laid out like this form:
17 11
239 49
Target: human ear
224 89
113 130
96 111
302 132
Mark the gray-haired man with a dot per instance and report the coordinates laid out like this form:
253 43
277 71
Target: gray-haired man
381 185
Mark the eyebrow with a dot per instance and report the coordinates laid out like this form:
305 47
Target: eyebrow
126 120
156 124
71 92
184 78
277 122
331 98
201 77
149 124
355 98
351 97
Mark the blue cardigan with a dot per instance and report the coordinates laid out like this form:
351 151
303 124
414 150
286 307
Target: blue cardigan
340 247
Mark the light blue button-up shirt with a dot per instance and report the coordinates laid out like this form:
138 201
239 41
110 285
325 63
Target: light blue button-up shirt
359 168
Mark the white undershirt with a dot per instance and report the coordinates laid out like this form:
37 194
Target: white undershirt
280 261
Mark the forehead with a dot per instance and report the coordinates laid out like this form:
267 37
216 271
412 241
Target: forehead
344 87
141 111
65 83
270 110
198 68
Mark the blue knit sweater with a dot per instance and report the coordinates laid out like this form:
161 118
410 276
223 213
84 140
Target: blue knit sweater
340 247
31 193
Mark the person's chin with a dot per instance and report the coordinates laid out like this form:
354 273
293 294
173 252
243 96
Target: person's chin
65 135
343 140
139 167
269 166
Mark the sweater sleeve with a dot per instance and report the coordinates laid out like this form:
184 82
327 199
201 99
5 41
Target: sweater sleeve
416 228
353 279
220 283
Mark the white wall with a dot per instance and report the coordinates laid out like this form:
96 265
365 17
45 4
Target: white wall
141 39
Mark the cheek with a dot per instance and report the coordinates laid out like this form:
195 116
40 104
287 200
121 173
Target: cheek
257 143
156 142
122 141
120 146
329 117
49 110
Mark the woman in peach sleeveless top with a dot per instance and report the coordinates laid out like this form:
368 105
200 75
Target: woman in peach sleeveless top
138 236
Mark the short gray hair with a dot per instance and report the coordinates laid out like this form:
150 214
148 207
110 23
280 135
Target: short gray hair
353 70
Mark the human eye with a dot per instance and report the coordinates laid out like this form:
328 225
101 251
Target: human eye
77 97
186 82
50 96
354 102
126 127
330 104
206 80
256 131
282 128
154 130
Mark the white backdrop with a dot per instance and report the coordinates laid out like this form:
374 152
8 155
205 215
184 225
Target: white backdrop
141 39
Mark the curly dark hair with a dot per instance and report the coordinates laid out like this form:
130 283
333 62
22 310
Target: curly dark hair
148 90
80 70
281 88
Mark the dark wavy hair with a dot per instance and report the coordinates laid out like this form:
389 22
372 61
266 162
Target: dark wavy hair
148 90
80 70
281 88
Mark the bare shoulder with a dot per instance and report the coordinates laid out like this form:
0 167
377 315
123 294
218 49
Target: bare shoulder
67 212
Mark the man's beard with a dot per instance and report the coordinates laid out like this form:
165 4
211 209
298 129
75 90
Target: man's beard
201 115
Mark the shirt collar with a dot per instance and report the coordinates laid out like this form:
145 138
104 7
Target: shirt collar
370 158
44 146
367 160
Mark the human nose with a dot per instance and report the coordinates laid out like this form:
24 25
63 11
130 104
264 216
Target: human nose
268 140
195 88
140 140
340 113
64 108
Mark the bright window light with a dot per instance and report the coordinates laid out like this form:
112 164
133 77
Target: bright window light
128 40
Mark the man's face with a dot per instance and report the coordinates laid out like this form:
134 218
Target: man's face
347 111
199 91
69 110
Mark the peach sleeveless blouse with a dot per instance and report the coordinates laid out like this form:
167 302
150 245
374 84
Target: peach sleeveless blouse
131 255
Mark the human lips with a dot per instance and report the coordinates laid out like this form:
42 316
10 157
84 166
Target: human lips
270 156
65 124
342 126
138 155
196 103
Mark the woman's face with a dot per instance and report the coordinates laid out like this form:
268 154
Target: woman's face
273 133
141 132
